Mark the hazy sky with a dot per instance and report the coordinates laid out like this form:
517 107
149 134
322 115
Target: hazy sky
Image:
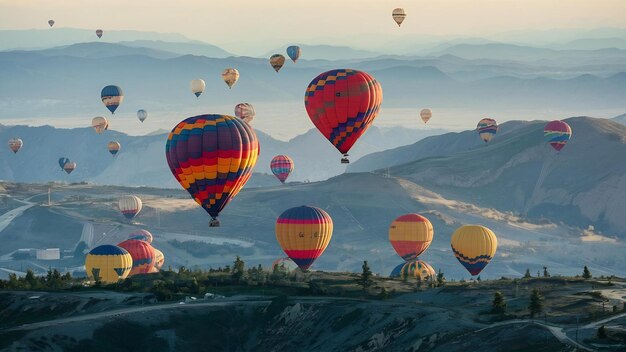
257 23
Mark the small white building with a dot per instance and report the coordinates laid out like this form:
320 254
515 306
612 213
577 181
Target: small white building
49 254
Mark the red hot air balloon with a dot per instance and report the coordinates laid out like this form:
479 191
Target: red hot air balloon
281 166
143 256
342 104
212 157
557 133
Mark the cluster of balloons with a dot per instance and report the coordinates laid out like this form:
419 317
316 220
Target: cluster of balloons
67 165
410 235
136 255
99 32
278 60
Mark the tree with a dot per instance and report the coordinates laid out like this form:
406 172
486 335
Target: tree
365 279
586 273
527 274
499 304
535 306
545 272
239 268
31 279
602 332
441 279
383 293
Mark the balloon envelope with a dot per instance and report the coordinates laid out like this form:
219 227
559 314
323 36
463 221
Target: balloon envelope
487 128
142 235
245 111
63 161
100 124
294 52
159 259
108 263
212 157
130 206
69 167
51 23
304 233
277 61
426 114
281 166
99 33
398 15
230 77
197 86
410 235
418 269
557 133
112 97
15 144
474 246
285 263
114 147
342 104
142 115
142 254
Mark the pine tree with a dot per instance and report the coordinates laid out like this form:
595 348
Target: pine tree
239 269
535 306
545 272
527 274
602 332
499 304
365 279
441 279
586 273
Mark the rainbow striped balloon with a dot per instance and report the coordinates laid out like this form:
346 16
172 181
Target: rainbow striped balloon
212 157
281 166
304 233
557 133
487 128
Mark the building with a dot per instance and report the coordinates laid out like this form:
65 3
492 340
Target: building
49 254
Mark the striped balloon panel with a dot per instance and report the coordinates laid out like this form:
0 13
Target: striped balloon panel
487 128
557 133
108 263
342 104
130 206
304 233
112 97
281 166
474 246
245 111
418 269
410 235
143 256
212 157
142 235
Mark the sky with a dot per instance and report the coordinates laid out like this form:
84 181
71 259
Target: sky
248 25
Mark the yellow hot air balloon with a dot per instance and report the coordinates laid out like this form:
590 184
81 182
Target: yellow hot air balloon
197 86
398 15
410 235
418 269
230 76
100 124
474 246
277 61
426 114
108 263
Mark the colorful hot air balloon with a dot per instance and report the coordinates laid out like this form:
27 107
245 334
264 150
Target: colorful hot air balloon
426 114
277 61
398 15
142 115
114 147
230 77
108 264
100 124
285 263
69 167
396 271
51 23
487 128
212 157
15 144
143 256
474 246
557 133
294 53
141 235
342 104
418 269
130 206
304 233
99 33
197 86
245 111
410 235
281 167
159 259
112 97
63 161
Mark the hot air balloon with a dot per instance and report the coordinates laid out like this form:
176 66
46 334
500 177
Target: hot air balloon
245 111
108 264
277 61
112 97
159 259
142 115
69 167
63 161
130 206
285 263
114 147
142 254
15 144
398 15
99 33
557 133
294 53
100 124
418 269
212 157
487 128
474 246
141 235
342 104
230 76
281 167
197 86
410 235
304 233
396 271
426 114
51 23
